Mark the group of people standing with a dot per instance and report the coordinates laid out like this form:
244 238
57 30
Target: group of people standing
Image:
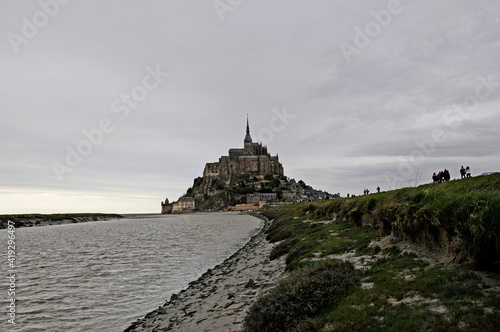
465 172
365 192
445 175
441 176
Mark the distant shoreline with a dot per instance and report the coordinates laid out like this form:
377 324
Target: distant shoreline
36 220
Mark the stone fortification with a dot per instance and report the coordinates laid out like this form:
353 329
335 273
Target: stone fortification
253 159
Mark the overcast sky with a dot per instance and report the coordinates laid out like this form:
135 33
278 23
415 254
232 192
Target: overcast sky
112 106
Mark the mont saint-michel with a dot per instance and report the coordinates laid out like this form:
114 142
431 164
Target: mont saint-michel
248 178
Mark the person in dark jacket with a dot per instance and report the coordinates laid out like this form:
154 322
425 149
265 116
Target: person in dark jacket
446 175
462 172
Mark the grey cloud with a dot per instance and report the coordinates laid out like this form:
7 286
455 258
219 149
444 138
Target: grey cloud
353 120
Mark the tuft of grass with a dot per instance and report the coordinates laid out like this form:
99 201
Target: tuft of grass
291 304
300 250
283 248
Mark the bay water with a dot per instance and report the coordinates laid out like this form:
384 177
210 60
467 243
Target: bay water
104 275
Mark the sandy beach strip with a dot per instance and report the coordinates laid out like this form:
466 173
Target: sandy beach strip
220 298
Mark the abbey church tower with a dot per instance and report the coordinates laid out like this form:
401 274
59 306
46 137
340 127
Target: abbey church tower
253 160
248 145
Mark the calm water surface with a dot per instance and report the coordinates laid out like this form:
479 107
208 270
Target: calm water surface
102 276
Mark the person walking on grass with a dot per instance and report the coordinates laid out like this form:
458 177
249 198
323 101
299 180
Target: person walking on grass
467 171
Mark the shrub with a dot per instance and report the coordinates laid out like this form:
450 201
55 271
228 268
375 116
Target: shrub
266 190
418 197
219 184
244 177
283 248
246 190
355 216
309 208
197 182
303 294
279 233
283 229
372 203
299 250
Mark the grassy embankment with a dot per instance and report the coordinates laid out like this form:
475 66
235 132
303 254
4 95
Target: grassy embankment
30 220
459 219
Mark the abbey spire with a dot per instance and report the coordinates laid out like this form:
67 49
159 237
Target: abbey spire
248 138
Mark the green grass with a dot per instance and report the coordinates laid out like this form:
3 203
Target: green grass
302 237
399 292
461 216
407 295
